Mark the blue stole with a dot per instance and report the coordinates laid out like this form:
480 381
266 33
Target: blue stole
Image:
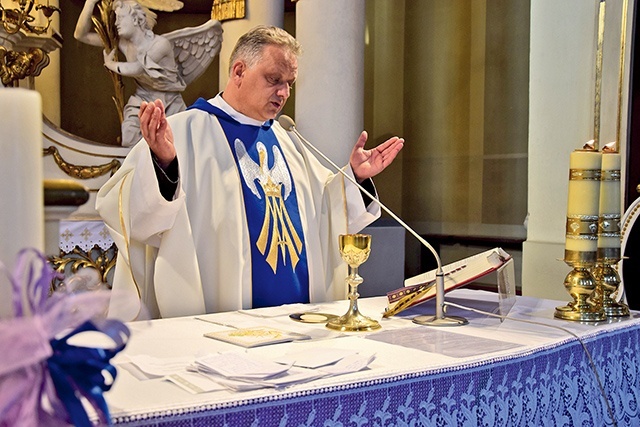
280 274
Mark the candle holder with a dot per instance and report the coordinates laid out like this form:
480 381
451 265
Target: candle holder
607 283
355 250
609 242
605 275
580 283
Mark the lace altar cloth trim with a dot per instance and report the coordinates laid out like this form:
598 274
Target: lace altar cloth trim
554 386
85 234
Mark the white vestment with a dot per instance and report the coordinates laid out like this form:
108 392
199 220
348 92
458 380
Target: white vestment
192 255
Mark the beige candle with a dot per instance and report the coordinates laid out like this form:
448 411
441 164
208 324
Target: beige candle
583 201
609 221
21 192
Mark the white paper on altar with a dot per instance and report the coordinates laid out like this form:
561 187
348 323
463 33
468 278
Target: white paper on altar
194 382
153 367
239 366
242 372
351 363
441 342
316 357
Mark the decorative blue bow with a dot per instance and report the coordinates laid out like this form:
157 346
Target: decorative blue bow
80 371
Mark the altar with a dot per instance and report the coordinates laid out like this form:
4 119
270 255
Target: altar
530 369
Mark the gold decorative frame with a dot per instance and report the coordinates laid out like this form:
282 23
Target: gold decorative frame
67 264
81 172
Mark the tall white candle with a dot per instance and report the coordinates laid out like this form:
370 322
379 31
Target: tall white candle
583 200
610 209
21 171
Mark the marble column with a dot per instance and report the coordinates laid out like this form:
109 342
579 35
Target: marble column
257 12
329 92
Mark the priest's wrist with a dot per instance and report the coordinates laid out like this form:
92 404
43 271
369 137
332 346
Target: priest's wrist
163 164
357 178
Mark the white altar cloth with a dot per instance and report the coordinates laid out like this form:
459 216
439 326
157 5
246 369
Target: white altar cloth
408 374
84 233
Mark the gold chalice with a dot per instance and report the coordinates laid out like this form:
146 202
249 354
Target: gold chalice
355 249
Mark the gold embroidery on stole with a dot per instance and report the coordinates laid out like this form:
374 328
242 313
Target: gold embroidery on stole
278 234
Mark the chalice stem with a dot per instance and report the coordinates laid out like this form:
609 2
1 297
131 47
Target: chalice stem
353 280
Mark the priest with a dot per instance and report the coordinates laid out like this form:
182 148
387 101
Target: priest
218 208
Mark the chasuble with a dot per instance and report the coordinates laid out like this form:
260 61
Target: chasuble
199 252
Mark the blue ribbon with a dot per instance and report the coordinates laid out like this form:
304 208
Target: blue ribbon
78 371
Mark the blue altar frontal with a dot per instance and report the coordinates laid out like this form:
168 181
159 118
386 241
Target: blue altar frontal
488 373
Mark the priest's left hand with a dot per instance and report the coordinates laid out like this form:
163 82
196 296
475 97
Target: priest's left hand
368 163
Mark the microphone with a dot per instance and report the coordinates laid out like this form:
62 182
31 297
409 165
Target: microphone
440 319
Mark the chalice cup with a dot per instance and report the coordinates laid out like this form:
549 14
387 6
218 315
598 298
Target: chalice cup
355 250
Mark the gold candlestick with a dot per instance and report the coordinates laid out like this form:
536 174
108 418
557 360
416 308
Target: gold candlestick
582 236
607 282
355 250
581 285
609 247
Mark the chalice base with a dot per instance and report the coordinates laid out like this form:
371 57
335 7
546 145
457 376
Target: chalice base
583 313
353 322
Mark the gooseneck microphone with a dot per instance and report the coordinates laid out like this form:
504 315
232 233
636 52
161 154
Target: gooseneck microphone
440 319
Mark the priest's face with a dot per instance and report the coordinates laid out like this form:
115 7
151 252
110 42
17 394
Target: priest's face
264 87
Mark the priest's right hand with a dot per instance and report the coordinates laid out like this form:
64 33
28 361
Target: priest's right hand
157 132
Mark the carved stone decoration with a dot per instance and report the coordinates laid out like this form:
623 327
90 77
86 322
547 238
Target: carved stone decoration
162 65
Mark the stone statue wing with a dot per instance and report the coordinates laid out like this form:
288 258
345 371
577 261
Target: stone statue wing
249 169
195 48
163 5
280 172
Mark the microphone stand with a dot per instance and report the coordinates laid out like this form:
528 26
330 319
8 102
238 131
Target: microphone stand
440 318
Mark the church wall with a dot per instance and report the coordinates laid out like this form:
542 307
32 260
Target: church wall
465 109
384 89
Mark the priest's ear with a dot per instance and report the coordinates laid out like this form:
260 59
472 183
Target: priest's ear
238 69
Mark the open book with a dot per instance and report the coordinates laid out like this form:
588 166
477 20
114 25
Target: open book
422 287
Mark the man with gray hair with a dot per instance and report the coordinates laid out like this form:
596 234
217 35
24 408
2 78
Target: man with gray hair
218 209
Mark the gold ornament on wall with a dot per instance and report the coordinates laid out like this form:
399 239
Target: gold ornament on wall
14 20
223 10
15 66
80 171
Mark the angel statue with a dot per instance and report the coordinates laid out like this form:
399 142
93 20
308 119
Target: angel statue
161 65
